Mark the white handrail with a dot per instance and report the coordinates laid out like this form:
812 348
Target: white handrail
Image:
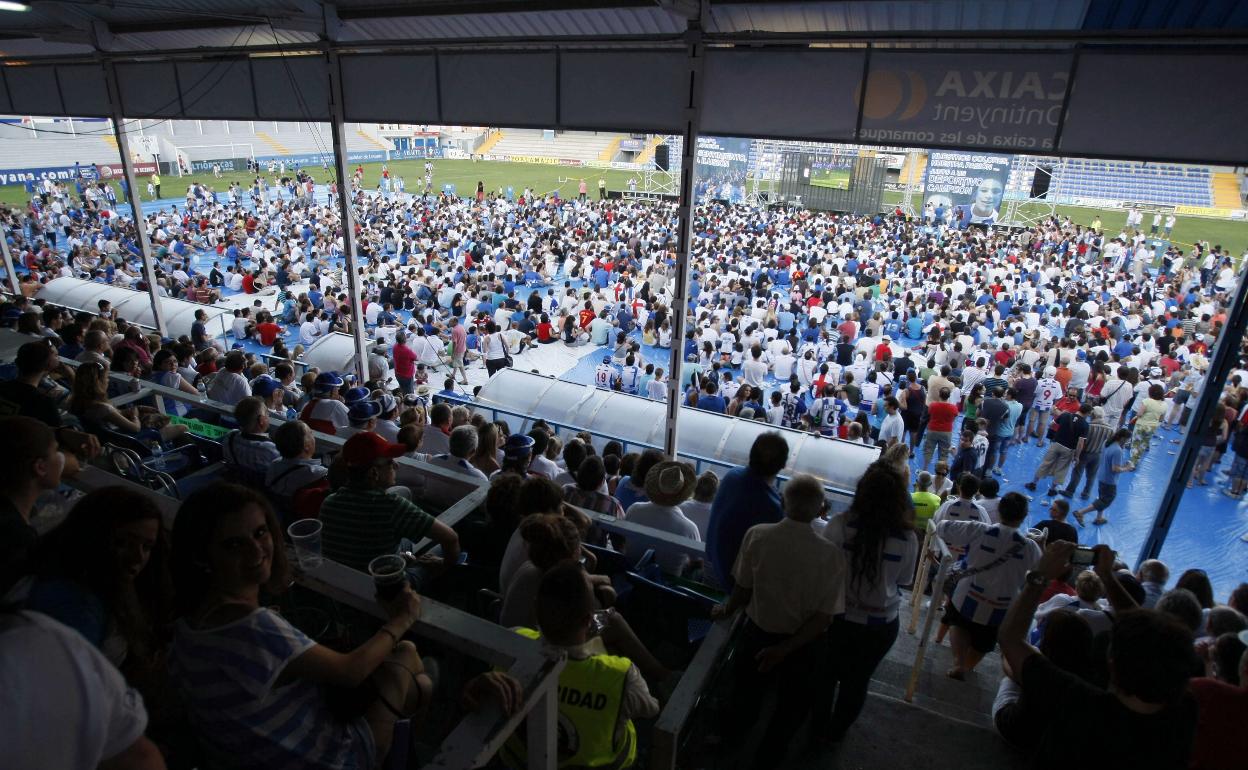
930 541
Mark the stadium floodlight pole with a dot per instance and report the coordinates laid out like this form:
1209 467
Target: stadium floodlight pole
1225 356
132 193
336 123
684 210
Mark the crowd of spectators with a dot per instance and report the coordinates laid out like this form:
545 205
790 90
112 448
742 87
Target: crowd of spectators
944 344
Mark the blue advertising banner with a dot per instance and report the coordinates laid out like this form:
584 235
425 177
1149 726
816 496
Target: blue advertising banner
357 156
720 167
56 173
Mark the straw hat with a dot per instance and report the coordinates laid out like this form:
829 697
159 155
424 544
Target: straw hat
670 482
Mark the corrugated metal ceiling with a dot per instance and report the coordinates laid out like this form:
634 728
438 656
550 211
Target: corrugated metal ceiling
607 22
141 25
901 16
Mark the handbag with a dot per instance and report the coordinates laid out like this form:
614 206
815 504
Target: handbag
958 573
506 350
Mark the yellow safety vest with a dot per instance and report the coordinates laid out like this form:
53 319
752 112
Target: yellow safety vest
591 692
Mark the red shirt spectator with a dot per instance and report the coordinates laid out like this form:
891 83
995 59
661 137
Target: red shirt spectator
848 330
249 284
1221 740
404 361
883 351
941 416
1066 404
1169 364
1004 357
268 332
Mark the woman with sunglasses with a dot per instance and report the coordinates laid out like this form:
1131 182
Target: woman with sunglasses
260 693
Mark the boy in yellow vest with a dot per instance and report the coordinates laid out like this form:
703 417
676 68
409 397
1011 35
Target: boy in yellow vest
599 694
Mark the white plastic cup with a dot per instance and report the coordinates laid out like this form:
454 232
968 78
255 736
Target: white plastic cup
305 535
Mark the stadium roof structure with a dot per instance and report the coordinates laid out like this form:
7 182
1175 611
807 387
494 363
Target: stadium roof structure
58 27
1034 76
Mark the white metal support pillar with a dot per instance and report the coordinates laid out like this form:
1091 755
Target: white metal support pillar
9 269
345 218
132 193
684 210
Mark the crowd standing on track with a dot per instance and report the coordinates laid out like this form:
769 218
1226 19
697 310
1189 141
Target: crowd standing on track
943 346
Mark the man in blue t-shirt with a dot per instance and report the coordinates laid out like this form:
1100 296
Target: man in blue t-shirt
710 400
746 496
1112 463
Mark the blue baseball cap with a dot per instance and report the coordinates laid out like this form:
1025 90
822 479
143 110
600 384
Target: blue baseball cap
518 446
355 395
363 411
264 386
327 381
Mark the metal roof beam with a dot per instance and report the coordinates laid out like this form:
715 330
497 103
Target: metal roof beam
80 25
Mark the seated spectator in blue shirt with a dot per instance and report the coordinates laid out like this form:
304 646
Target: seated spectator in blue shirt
710 400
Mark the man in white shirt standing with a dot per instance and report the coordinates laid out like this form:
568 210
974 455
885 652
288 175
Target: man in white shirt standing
656 389
893 428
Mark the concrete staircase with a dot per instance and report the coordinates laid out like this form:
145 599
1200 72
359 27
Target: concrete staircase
277 147
1226 190
647 153
948 725
373 141
608 153
969 701
491 140
913 169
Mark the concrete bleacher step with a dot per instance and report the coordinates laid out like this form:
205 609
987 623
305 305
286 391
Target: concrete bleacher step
608 153
490 141
913 168
272 143
969 701
1226 190
894 734
647 153
372 140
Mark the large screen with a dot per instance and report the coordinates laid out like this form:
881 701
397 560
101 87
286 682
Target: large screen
965 188
720 169
832 171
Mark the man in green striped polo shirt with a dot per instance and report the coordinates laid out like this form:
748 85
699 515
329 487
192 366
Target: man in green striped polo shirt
362 520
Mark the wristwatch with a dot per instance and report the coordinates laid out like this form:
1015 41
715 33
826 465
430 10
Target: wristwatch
1036 579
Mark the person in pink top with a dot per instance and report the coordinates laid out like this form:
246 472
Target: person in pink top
404 362
459 349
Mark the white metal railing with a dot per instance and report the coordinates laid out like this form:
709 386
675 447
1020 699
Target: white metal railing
665 745
478 736
934 550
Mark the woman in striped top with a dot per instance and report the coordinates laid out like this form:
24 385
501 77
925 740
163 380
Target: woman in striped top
256 688
877 533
